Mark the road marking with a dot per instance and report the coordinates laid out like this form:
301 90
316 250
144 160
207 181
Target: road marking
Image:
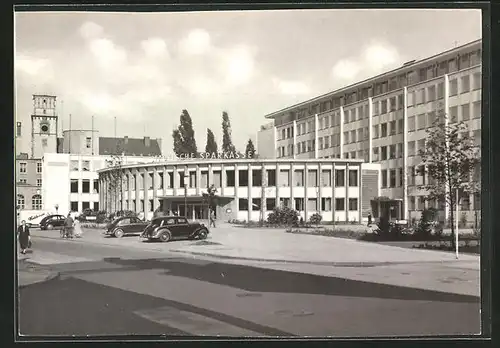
194 324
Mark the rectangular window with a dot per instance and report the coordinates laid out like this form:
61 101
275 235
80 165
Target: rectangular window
85 186
465 84
326 177
270 204
327 142
420 146
411 98
431 118
74 206
383 130
411 148
353 155
339 204
431 93
411 124
243 178
38 182
375 132
392 104
88 142
401 177
312 178
353 178
383 153
284 177
453 87
339 177
256 204
312 204
375 154
326 204
353 204
285 202
256 177
23 167
320 143
353 136
383 107
360 134
39 167
86 166
392 151
96 206
440 90
392 178
476 109
400 126
384 178
299 177
74 186
465 112
243 204
74 165
299 204
421 121
346 138
150 205
476 81
271 177
230 178
400 150
96 186
453 114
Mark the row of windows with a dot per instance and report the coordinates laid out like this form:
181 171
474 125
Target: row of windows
420 203
74 166
270 179
299 204
85 186
23 167
85 205
383 153
25 181
36 202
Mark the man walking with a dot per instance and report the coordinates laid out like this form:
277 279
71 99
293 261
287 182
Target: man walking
212 218
68 226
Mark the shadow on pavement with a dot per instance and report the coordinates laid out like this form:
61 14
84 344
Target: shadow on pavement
267 280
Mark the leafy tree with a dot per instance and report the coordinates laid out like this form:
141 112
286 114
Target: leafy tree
250 149
211 196
115 179
211 146
183 136
227 143
448 159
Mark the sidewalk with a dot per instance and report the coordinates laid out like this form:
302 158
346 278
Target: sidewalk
30 273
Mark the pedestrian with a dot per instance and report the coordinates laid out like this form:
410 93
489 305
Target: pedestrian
369 219
78 229
68 225
212 218
23 233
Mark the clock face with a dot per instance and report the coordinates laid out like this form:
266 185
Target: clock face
44 128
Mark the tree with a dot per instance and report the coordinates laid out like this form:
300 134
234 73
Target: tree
250 149
211 197
183 136
211 146
227 143
448 158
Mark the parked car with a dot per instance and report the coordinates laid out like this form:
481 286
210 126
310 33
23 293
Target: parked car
125 225
168 228
52 222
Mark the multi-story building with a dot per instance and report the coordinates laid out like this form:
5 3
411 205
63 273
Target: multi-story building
70 179
28 182
384 120
248 189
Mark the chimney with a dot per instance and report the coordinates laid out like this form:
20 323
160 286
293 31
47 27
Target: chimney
158 140
147 141
125 139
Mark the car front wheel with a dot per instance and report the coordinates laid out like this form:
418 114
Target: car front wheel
119 233
50 227
203 234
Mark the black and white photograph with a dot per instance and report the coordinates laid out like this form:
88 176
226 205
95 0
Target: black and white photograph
248 174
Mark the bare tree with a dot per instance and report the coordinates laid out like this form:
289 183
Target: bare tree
115 179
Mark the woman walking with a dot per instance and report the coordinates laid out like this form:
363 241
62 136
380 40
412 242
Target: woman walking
23 233
78 228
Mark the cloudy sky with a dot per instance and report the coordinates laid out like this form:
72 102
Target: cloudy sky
145 68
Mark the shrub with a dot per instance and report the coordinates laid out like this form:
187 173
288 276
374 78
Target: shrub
426 222
315 219
283 216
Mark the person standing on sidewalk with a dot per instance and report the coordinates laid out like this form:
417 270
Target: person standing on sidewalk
212 218
23 233
68 226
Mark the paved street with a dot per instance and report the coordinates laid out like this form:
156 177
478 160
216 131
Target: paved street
121 286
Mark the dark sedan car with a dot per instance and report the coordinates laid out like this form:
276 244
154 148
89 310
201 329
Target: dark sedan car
125 225
52 222
168 228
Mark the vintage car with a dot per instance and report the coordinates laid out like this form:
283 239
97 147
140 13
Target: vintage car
125 225
168 228
52 222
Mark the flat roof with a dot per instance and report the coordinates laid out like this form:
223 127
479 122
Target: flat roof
235 161
405 66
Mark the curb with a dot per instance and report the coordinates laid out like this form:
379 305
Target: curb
51 276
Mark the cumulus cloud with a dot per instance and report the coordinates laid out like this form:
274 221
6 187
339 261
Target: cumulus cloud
154 47
107 53
375 58
239 64
91 30
197 42
32 65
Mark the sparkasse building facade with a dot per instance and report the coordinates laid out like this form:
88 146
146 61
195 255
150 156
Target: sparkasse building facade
247 189
383 120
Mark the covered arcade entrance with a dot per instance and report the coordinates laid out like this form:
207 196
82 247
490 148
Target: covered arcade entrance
192 207
383 206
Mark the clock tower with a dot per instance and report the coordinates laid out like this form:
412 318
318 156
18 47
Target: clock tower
43 126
